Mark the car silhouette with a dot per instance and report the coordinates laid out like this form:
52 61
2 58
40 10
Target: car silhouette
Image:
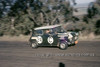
53 35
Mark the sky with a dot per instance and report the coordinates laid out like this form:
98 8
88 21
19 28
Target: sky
83 1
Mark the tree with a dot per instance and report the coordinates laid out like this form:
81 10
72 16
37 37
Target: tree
43 12
97 27
1 13
92 17
24 15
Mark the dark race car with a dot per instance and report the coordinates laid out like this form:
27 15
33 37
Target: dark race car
53 35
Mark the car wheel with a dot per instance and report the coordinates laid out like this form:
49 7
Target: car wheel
73 44
63 46
34 45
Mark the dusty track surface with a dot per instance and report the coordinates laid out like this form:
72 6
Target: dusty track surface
19 54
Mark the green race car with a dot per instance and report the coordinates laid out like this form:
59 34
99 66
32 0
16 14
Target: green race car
53 35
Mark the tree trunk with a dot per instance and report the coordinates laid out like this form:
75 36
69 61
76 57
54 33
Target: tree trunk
12 23
41 18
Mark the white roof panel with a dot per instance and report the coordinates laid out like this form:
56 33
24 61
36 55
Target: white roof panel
46 27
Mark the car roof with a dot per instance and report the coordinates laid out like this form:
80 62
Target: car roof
46 27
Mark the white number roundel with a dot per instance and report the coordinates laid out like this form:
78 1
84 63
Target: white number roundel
39 39
50 40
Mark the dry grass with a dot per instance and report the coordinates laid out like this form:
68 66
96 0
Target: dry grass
89 37
14 38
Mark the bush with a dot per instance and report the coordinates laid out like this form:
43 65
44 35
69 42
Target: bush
97 27
1 33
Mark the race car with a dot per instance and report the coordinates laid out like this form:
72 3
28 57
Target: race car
53 35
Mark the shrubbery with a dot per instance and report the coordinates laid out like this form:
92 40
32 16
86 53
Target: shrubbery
23 17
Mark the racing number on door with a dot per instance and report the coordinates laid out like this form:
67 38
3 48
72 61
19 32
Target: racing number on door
50 40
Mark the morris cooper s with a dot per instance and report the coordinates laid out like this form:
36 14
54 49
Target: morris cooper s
53 35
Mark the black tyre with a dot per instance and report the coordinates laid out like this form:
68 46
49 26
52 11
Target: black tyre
73 44
63 46
34 45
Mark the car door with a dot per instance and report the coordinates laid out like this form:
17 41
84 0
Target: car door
54 39
45 42
50 39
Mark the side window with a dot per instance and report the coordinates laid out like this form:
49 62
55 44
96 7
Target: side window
48 31
55 30
60 30
38 32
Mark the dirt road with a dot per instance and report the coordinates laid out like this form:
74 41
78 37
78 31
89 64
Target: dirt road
19 54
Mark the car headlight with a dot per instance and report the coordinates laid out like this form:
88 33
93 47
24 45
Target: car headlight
33 37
